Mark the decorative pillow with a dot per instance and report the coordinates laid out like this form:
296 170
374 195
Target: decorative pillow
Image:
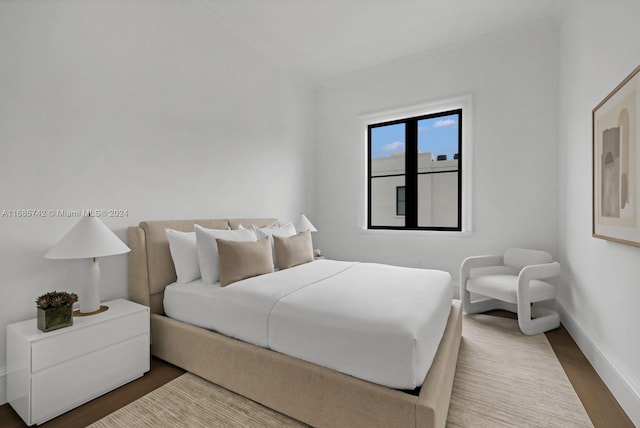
208 249
271 231
241 260
184 253
294 250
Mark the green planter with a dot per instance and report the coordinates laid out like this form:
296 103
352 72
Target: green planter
55 318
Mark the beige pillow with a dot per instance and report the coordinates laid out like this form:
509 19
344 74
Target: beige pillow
294 250
243 259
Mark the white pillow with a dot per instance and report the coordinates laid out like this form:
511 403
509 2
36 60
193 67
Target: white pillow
184 253
285 231
208 249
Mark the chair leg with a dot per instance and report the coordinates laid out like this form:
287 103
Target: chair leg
545 319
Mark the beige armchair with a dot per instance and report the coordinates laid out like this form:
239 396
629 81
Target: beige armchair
512 282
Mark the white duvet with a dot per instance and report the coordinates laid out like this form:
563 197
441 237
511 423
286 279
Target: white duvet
376 322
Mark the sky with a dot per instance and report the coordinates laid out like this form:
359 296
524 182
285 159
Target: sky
438 135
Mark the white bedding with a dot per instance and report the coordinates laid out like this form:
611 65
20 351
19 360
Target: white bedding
375 322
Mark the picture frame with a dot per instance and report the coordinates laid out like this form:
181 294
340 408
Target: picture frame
616 164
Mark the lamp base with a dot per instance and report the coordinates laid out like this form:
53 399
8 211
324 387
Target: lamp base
77 312
90 294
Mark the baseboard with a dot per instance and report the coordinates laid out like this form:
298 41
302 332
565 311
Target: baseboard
3 385
622 386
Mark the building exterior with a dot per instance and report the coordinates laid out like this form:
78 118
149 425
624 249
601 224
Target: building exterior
437 191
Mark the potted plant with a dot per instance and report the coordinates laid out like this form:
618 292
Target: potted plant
55 310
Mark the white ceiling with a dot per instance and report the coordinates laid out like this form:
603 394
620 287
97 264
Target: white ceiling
324 39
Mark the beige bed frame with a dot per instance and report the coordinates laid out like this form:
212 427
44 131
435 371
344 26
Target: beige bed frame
310 393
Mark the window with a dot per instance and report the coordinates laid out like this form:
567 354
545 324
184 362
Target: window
415 172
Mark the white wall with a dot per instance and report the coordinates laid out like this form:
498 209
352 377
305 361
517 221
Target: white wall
513 83
152 107
601 285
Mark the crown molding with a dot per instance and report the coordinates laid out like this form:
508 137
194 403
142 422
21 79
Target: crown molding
237 28
450 49
273 57
244 33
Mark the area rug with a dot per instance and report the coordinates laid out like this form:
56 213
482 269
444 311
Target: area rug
507 379
503 379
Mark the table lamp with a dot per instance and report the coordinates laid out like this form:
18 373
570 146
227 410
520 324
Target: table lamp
303 224
89 239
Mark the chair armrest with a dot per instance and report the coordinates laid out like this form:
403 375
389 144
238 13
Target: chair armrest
478 262
465 271
531 272
541 271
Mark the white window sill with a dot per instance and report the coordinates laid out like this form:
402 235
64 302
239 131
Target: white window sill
417 233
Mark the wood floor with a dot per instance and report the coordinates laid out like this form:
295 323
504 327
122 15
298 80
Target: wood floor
602 408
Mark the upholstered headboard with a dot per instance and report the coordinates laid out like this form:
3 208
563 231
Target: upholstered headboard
150 265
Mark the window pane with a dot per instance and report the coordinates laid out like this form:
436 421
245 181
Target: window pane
439 136
438 187
387 151
400 200
438 198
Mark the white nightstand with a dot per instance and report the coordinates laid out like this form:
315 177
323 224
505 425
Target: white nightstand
51 373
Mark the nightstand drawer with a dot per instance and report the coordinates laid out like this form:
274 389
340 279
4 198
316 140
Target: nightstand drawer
87 377
65 347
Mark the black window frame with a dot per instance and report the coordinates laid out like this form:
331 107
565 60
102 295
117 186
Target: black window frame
411 172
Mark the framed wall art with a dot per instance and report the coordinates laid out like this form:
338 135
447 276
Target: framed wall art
616 188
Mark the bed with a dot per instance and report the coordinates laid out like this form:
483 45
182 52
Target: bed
309 392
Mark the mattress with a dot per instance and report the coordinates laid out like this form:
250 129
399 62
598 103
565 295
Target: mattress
376 322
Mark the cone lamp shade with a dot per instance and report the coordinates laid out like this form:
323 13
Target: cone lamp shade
303 224
89 239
